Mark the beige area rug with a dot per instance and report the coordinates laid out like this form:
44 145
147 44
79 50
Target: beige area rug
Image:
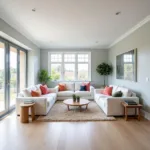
59 112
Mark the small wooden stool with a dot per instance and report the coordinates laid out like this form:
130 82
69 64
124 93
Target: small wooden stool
25 112
126 106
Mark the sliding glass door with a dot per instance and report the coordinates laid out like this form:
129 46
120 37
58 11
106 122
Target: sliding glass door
2 79
12 74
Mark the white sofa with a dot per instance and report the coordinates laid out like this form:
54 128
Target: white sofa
74 88
112 105
42 104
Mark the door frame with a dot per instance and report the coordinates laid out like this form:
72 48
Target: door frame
7 45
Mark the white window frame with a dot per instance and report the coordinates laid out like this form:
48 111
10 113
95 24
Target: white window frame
76 65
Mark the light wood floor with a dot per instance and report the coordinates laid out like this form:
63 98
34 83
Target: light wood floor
104 135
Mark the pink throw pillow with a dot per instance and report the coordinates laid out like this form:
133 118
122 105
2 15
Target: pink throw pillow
87 86
108 90
44 89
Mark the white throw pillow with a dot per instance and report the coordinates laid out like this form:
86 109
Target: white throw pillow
77 86
114 90
27 93
126 92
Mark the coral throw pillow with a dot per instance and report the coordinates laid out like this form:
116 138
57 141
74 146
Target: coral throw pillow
36 93
87 86
62 87
44 89
108 90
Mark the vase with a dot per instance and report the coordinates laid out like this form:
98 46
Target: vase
78 100
74 99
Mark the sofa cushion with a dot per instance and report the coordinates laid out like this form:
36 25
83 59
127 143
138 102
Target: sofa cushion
49 95
38 86
83 93
77 86
69 86
65 93
114 89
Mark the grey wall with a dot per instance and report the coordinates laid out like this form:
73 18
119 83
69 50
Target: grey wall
140 39
97 57
33 54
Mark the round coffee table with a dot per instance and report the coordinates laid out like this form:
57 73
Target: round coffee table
70 102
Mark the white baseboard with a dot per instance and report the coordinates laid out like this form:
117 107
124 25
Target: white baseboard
145 114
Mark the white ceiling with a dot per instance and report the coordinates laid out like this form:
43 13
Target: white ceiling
73 23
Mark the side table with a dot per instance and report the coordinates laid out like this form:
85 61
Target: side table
137 107
24 117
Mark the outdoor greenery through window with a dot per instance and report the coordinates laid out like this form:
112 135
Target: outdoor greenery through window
70 66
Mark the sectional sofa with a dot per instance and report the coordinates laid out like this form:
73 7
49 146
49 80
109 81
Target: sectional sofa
45 102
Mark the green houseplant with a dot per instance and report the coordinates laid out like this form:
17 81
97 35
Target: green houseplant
74 97
104 70
43 76
78 99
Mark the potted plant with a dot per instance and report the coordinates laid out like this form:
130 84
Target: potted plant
74 97
104 69
78 99
44 76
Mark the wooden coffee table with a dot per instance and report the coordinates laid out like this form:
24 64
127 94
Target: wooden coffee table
70 102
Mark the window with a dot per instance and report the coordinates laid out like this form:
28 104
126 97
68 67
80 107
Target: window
70 66
128 58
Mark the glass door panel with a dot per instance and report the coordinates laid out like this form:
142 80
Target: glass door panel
2 78
13 76
22 69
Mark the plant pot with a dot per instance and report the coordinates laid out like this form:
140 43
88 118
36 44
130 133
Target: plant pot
74 99
78 100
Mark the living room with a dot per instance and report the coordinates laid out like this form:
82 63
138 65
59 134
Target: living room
74 75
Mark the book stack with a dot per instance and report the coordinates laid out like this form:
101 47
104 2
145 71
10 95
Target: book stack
28 101
130 102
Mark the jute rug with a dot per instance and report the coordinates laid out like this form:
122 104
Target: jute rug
59 112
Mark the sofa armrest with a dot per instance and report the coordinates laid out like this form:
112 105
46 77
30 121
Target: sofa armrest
92 90
98 91
57 88
41 104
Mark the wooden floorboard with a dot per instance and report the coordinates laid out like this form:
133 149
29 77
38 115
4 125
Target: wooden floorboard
103 135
